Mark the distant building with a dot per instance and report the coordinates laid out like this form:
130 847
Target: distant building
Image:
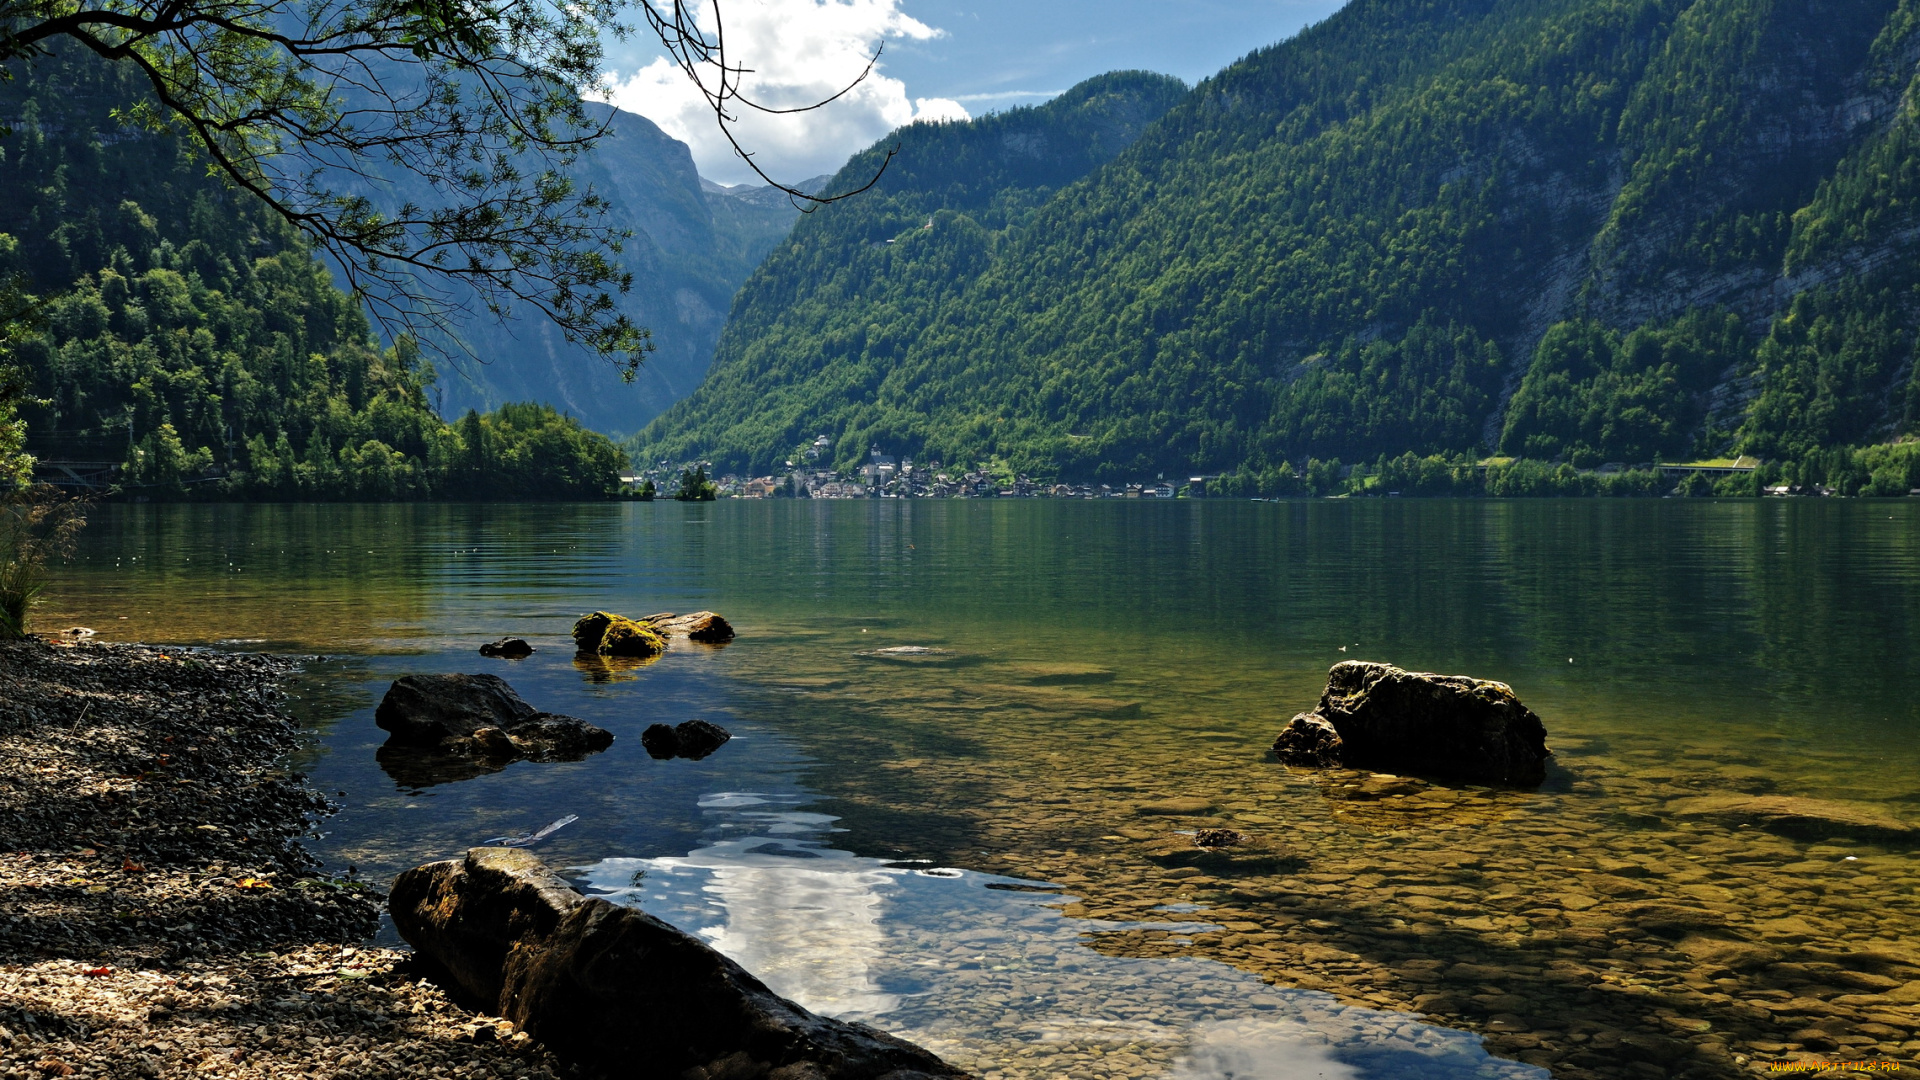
760 487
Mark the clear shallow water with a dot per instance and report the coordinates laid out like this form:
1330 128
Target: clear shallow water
1092 663
984 970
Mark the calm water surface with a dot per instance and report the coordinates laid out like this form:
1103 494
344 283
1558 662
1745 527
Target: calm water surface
987 846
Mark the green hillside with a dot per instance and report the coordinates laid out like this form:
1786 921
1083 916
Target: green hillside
179 330
1583 230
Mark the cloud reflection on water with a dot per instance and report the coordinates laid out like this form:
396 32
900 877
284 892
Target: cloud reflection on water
996 979
1256 1050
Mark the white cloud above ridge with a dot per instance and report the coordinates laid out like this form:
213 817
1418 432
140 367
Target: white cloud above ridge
1004 95
800 52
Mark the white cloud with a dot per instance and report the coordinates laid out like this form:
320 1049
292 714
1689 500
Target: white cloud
800 52
1003 95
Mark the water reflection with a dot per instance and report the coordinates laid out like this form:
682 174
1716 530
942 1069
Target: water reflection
987 972
612 669
1062 673
423 767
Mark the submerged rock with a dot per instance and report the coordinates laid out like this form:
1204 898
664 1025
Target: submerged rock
1058 674
608 634
693 739
1376 716
619 991
1221 853
475 719
507 648
1806 819
702 626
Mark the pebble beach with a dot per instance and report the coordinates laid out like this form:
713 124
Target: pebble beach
158 916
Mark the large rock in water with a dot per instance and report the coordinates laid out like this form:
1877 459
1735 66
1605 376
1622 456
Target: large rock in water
507 648
1442 725
702 626
693 739
607 634
481 715
619 991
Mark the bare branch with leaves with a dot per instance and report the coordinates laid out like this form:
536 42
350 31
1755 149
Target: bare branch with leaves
702 54
305 105
319 108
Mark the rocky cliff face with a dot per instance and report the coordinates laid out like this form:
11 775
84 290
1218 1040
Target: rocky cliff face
690 250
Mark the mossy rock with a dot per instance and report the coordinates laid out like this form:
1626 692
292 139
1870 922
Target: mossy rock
607 634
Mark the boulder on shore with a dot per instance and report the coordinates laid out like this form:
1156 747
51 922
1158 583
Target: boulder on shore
607 634
702 626
619 991
480 716
693 739
507 648
1376 716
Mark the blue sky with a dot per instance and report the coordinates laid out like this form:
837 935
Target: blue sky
1002 46
943 59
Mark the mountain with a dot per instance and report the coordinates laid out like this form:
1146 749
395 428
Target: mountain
1585 230
693 243
177 329
832 312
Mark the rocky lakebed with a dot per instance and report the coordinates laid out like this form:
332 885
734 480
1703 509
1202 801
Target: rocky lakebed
1655 913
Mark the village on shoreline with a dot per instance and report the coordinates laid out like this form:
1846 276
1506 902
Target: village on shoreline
885 477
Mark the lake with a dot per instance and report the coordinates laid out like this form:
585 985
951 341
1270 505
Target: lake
986 845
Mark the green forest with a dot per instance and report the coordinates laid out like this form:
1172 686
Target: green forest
1574 233
174 327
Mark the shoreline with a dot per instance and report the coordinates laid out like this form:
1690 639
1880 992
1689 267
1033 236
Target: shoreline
158 914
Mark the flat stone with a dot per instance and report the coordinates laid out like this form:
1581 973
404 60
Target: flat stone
1059 674
1061 700
1184 807
1791 929
1794 816
1715 953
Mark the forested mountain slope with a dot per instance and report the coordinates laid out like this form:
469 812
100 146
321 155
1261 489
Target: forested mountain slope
823 322
179 329
1592 230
